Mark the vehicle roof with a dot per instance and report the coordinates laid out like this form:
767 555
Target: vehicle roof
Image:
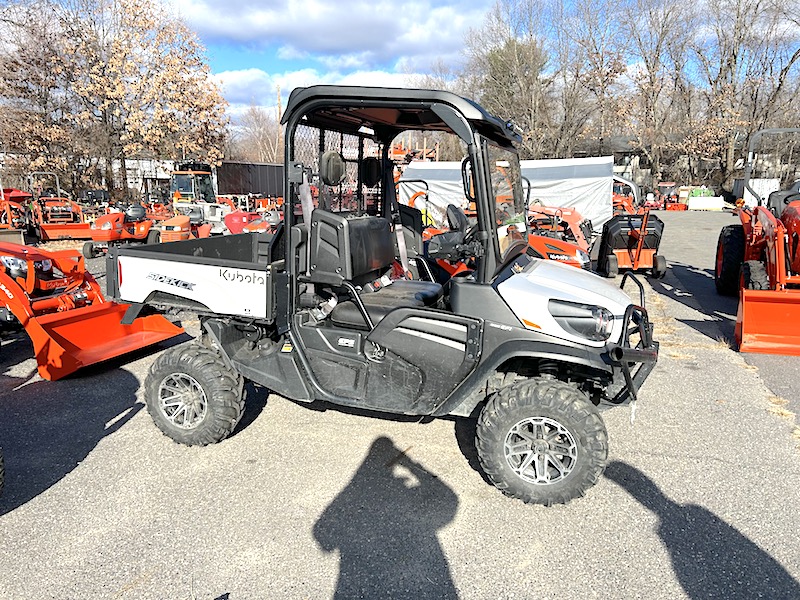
389 111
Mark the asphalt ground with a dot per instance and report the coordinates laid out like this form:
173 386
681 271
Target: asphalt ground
700 498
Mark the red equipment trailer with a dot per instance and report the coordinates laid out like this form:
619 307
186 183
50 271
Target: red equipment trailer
759 259
63 311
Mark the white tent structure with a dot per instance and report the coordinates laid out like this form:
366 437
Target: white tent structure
584 184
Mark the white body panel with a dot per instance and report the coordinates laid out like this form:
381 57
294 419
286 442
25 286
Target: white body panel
224 290
528 293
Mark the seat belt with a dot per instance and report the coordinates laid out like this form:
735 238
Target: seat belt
307 207
398 225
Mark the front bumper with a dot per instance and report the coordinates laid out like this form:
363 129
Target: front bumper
637 353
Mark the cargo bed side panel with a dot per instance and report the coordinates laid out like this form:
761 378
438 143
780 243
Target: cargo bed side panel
223 290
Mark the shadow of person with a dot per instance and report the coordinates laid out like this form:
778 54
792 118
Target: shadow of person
384 526
48 427
710 558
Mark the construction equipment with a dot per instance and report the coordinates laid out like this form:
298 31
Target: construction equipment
565 223
12 215
63 311
193 195
759 259
630 242
120 227
312 313
53 216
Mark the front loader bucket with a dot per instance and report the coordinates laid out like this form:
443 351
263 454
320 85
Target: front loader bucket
768 322
66 341
15 236
65 231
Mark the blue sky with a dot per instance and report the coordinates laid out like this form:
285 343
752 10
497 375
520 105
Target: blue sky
255 46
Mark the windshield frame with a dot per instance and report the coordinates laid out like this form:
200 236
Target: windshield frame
506 199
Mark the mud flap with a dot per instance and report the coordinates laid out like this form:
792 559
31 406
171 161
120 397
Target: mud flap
767 322
63 342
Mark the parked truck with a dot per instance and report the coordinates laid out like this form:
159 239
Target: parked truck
530 348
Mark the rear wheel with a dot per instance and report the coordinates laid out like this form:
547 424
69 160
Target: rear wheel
659 266
754 275
612 266
542 442
728 263
193 396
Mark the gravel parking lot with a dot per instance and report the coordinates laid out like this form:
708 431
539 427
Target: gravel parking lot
700 498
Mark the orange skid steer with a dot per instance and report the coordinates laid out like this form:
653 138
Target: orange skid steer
63 311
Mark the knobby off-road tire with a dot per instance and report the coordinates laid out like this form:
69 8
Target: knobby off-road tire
2 472
754 275
192 396
728 263
541 441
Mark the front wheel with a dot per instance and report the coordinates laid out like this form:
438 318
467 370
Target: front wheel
88 250
193 396
542 442
659 266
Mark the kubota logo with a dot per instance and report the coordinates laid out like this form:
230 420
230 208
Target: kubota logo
235 276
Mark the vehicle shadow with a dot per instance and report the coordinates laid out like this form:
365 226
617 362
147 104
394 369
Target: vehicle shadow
47 428
694 287
711 559
384 524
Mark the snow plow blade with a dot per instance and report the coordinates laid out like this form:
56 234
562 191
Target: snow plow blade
768 322
66 341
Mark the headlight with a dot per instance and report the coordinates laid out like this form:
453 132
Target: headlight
43 265
106 226
584 320
12 262
583 258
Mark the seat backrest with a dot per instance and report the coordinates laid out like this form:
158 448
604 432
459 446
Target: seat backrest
356 249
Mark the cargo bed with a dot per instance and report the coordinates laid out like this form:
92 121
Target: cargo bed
223 275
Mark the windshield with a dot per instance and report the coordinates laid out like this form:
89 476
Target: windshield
506 180
181 184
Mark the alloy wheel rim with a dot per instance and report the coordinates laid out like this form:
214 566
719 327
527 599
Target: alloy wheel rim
182 400
540 450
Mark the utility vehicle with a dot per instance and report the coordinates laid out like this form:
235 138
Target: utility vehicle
530 348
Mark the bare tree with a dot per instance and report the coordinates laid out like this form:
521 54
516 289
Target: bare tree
259 136
116 78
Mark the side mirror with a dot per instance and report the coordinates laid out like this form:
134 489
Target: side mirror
456 219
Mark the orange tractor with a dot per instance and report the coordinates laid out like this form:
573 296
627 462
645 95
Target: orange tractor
759 260
12 215
63 311
122 227
53 216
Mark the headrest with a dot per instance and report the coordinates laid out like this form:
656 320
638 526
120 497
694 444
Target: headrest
331 168
370 171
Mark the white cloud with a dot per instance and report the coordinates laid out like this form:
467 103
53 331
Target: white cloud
256 87
363 34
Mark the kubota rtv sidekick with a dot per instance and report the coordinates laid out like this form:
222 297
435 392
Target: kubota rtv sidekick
529 347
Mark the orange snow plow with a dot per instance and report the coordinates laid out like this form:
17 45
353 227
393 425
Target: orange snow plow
63 311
